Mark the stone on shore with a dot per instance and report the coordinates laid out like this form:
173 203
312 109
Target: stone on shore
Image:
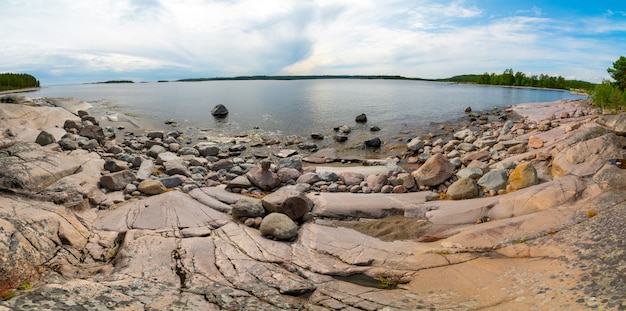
524 175
151 187
117 181
263 178
322 156
435 171
362 118
45 138
279 226
292 203
373 143
464 188
493 180
248 207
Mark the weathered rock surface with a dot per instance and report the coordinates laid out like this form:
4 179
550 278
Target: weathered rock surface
533 248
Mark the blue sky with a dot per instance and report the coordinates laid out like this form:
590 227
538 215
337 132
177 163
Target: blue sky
75 41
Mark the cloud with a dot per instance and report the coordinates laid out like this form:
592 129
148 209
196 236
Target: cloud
153 39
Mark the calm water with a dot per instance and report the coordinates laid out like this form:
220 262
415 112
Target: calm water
298 107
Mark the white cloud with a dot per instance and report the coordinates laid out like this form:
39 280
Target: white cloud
199 38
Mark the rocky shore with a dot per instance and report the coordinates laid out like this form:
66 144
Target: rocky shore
514 209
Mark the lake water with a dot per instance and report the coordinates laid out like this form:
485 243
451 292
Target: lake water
299 107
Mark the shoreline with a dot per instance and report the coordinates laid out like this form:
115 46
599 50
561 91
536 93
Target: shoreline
30 89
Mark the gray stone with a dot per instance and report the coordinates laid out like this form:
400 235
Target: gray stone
176 166
493 180
188 151
279 226
470 172
92 132
155 150
68 144
172 181
415 144
207 149
248 207
145 169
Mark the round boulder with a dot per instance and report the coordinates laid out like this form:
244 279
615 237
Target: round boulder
279 226
524 175
464 188
219 111
151 187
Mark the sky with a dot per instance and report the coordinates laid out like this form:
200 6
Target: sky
77 41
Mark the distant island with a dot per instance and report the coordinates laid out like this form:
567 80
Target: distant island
115 81
507 78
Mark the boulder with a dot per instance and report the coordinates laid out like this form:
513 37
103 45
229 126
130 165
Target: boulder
248 207
524 175
145 169
376 182
373 143
362 118
92 132
464 188
45 138
155 150
68 144
351 178
435 171
117 181
292 161
151 187
290 202
278 226
287 173
176 166
263 178
493 180
415 144
219 111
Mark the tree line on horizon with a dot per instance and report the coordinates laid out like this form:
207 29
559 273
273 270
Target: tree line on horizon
511 78
15 81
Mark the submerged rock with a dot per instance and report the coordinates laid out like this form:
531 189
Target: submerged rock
219 111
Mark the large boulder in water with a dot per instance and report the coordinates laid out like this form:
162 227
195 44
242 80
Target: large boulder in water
219 111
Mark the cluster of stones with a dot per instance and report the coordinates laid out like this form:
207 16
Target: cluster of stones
342 132
459 168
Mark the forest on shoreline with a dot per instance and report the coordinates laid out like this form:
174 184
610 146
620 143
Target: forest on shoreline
17 81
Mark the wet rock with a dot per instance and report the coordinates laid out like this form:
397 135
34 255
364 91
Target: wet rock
362 118
219 111
290 202
151 187
279 226
317 136
117 181
343 129
373 143
322 156
524 175
493 180
464 188
340 138
435 171
374 128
